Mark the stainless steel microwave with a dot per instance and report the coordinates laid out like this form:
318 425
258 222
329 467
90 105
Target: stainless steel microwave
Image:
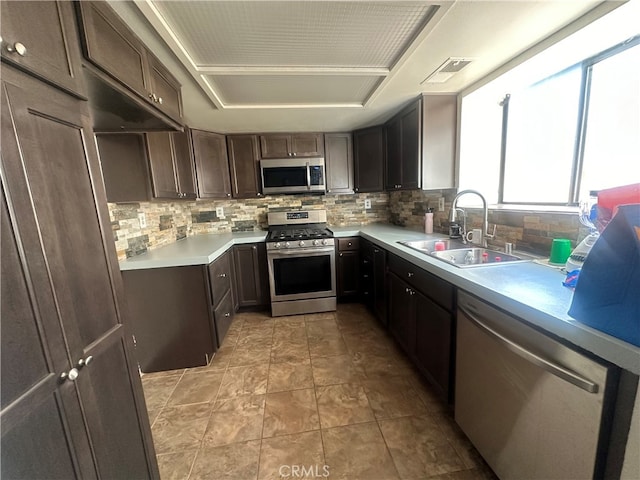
293 175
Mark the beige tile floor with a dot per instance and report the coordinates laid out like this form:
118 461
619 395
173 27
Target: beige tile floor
330 393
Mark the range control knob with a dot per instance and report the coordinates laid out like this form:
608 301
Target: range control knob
316 242
277 245
301 243
325 241
287 244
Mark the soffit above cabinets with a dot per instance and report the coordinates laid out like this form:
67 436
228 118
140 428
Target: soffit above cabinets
334 65
291 54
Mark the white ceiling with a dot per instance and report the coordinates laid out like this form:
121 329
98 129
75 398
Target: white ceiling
251 66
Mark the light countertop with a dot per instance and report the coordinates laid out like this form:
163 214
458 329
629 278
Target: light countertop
530 291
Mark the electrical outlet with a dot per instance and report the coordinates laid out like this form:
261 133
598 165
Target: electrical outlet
367 204
441 204
142 218
219 212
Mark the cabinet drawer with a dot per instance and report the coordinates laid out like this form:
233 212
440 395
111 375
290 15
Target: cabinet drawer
223 316
438 290
348 244
220 277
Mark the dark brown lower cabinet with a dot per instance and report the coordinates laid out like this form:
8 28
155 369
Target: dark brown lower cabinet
348 268
421 319
72 401
252 282
402 313
373 278
171 317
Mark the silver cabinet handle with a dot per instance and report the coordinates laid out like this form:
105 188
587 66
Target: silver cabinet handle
70 375
295 154
227 314
160 100
375 250
258 194
85 361
18 48
553 368
254 247
228 194
341 254
409 274
222 275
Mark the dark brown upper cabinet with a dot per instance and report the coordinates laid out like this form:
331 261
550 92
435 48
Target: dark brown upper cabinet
243 163
368 148
339 162
139 167
110 45
275 145
212 169
404 141
171 165
50 50
165 89
420 144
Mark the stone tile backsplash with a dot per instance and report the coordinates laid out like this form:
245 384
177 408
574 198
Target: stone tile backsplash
171 221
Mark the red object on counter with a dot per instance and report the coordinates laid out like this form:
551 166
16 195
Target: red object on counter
440 246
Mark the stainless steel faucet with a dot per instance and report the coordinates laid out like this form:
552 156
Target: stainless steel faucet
485 215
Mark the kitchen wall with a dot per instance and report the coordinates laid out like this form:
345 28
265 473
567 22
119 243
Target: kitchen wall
529 231
171 221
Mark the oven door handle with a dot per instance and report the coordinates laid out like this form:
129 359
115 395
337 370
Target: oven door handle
299 251
308 177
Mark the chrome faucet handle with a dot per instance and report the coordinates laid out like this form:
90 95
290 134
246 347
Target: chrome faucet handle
493 234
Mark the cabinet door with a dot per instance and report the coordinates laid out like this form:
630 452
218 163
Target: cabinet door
393 164
307 145
369 160
402 313
275 146
220 277
210 154
243 162
110 45
366 272
164 89
339 162
183 164
439 140
433 343
53 175
125 168
40 37
38 413
348 273
163 174
411 128
380 284
223 315
250 266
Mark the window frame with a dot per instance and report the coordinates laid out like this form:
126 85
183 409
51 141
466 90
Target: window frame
575 179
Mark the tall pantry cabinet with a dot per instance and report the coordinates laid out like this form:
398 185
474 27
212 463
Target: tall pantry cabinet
71 399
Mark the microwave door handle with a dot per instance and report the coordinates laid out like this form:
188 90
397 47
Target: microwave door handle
308 176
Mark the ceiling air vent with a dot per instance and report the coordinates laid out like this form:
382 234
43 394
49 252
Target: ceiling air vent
447 70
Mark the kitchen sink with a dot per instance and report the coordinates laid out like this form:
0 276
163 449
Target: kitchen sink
458 254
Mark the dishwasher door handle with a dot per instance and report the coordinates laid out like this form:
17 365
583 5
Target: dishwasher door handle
553 368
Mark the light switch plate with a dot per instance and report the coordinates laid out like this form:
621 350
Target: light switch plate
142 218
367 204
441 204
219 212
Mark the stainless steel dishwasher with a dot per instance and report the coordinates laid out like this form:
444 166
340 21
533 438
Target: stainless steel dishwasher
530 405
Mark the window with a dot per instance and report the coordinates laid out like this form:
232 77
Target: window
572 120
575 131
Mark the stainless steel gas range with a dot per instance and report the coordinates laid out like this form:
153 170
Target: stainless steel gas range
301 255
